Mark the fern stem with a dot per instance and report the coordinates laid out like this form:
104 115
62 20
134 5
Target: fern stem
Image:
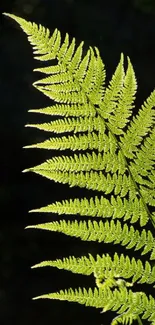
139 320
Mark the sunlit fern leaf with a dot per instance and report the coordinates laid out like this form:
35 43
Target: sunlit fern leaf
116 158
67 110
95 207
104 268
108 232
125 302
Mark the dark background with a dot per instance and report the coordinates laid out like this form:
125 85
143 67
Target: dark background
114 27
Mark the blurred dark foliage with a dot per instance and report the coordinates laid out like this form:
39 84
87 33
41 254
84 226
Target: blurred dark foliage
146 6
114 27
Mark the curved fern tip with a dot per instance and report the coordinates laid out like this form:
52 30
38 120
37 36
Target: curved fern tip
41 297
34 266
28 227
29 146
25 147
11 16
25 170
122 57
27 125
5 14
33 210
35 298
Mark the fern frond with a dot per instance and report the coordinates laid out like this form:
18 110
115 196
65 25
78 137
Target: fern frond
39 38
100 142
120 116
139 127
84 162
67 110
114 208
107 232
105 268
115 184
72 125
142 166
112 92
125 303
97 93
118 160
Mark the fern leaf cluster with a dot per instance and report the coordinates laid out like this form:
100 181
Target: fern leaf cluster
115 155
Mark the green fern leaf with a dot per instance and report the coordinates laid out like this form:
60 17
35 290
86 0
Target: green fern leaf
108 232
116 158
104 268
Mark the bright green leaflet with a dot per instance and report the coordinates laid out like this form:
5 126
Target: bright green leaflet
117 160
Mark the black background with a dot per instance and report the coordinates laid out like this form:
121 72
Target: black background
114 27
